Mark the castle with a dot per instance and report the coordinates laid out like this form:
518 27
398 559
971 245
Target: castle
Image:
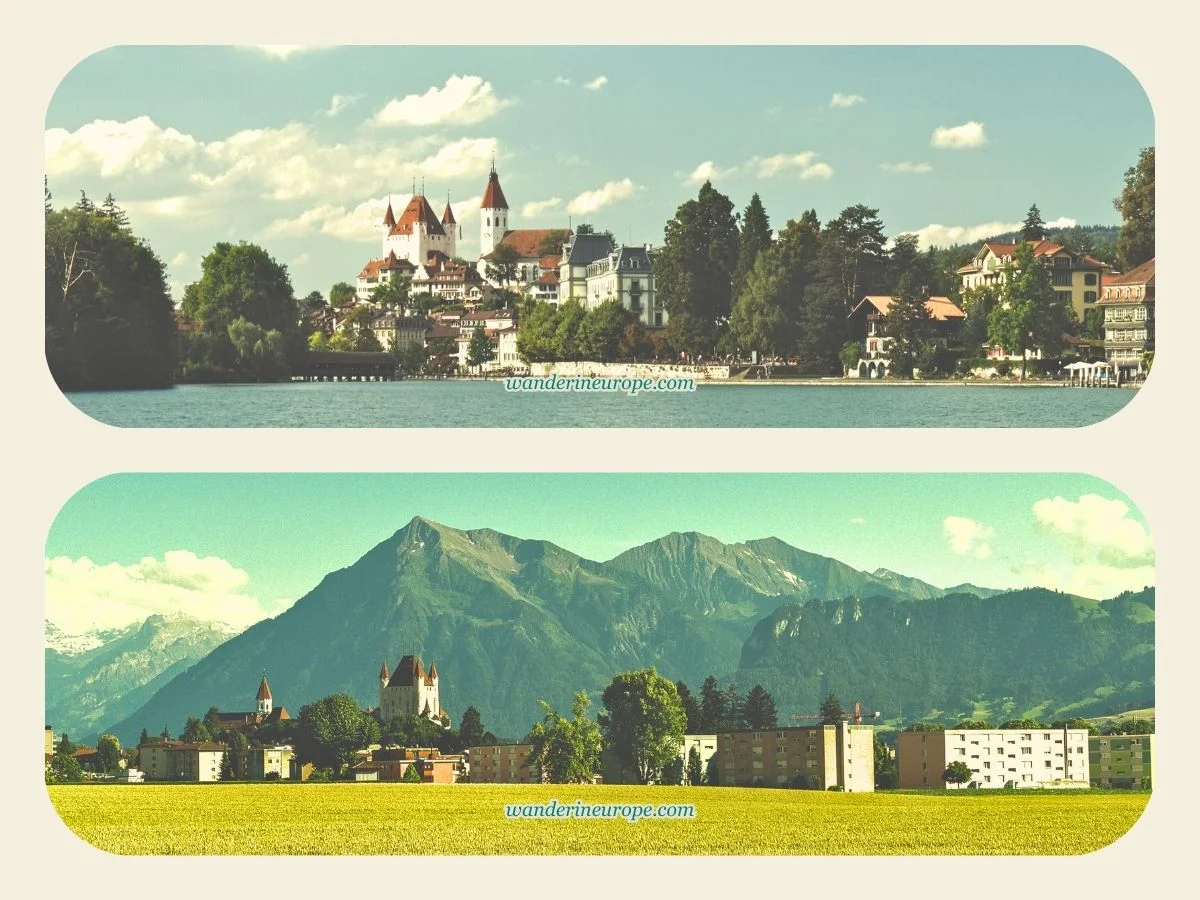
410 691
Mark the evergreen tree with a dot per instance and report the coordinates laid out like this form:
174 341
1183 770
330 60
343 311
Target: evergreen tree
732 702
755 237
479 350
1135 243
84 205
760 319
49 197
1033 228
712 706
759 709
909 325
470 729
831 710
144 737
110 210
695 770
227 773
412 774
853 254
691 708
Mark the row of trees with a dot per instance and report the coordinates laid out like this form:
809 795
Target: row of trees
65 767
1112 726
605 333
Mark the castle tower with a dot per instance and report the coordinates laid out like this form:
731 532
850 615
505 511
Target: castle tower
450 226
493 215
263 699
383 681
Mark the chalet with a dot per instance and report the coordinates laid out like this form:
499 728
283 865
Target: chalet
868 320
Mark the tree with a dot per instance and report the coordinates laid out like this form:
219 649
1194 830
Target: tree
410 356
318 341
332 729
974 725
1030 315
732 703
49 196
552 243
755 237
695 770
537 339
479 350
412 774
691 708
909 325
503 266
109 316
1033 228
906 259
313 302
110 210
108 754
195 731
1135 243
227 773
885 763
759 709
64 768
762 318
84 205
260 353
1075 723
64 747
1029 724
470 729
853 253
212 721
391 294
924 726
850 354
635 343
712 706
601 332
958 772
356 333
644 722
831 711
144 737
165 734
566 751
341 294
694 270
570 318
977 303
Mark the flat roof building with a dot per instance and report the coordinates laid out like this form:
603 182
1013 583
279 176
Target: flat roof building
997 758
1121 760
815 756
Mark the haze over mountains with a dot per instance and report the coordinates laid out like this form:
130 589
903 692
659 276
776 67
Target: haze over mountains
511 621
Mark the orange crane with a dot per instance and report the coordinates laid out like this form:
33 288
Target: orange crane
858 715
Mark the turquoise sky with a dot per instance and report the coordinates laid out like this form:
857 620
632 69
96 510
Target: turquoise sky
222 143
287 530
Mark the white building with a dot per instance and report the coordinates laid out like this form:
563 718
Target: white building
381 271
997 758
626 274
418 234
504 350
580 251
705 745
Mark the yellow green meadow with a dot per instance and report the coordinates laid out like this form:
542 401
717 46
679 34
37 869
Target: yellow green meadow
372 819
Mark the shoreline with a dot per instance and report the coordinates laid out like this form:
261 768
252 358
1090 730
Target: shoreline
875 382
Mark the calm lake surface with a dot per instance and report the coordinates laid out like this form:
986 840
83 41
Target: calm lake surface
486 404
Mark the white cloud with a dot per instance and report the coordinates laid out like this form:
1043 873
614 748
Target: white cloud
82 595
802 164
908 168
462 100
1088 579
596 83
968 537
844 101
340 102
535 208
858 520
112 149
708 171
359 223
936 235
959 137
1096 529
590 201
561 79
302 260
282 51
179 259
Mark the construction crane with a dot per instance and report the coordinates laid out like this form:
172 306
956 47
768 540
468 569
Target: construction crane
858 715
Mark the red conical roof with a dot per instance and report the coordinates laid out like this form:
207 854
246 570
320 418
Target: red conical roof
264 690
383 672
493 196
433 670
389 218
448 215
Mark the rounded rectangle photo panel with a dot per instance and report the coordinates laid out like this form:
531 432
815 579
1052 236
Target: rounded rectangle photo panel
738 664
783 236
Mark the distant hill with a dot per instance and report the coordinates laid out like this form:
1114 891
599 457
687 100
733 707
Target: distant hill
511 621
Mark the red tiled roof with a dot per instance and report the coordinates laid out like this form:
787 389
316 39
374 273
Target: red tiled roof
264 690
1143 274
389 218
550 277
940 308
527 241
493 196
418 211
448 216
391 263
549 262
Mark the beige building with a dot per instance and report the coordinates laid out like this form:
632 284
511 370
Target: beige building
627 275
1121 760
997 758
816 756
1076 276
179 761
261 763
1128 304
501 764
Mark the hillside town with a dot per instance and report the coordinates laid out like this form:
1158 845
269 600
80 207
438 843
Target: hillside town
408 737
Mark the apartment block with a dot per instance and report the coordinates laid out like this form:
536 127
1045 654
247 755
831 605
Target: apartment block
261 763
818 757
179 761
501 764
1121 760
997 758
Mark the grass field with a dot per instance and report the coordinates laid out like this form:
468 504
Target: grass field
373 819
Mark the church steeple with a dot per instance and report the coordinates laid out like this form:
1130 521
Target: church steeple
264 703
493 214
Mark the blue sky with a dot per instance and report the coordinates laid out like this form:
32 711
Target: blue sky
296 148
241 547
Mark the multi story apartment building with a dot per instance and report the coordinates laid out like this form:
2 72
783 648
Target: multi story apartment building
261 763
997 758
502 764
815 756
1076 276
1121 760
180 761
1128 304
626 274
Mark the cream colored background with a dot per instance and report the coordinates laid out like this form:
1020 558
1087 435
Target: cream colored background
51 450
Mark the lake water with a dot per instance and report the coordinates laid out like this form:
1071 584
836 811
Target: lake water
486 404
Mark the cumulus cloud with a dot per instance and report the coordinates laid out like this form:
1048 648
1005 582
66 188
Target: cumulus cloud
112 149
844 101
462 100
945 235
535 208
357 223
708 171
341 102
858 520
802 164
1094 580
590 201
908 168
959 137
179 259
82 595
1096 529
596 83
562 79
968 537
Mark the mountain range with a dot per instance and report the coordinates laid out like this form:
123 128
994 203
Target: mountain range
512 621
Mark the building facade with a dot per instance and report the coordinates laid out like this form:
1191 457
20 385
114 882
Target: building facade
382 271
817 757
580 251
1128 304
626 274
997 758
868 320
409 691
418 233
261 763
1076 276
179 761
500 764
1121 760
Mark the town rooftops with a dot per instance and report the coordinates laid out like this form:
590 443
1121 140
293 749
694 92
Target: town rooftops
583 249
942 309
1143 274
527 242
1005 250
391 263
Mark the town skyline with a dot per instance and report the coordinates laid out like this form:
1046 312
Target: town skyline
1073 533
320 137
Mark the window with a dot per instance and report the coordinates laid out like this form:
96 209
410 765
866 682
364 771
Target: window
1089 296
1062 277
1089 279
